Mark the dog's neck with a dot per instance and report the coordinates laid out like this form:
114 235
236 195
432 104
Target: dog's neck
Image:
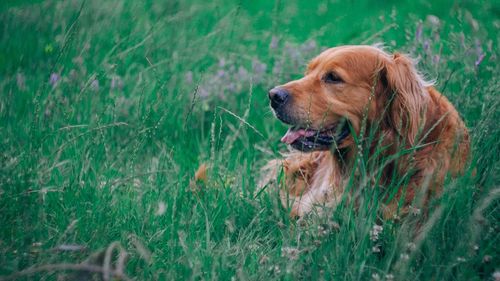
386 141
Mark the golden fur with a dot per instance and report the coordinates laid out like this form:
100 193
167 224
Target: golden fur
389 94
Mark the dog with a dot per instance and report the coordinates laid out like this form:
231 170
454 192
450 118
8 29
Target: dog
346 94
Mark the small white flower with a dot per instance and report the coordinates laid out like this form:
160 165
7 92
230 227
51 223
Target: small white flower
290 252
414 211
263 260
375 231
411 246
116 82
162 208
137 183
433 20
322 230
274 269
496 275
309 46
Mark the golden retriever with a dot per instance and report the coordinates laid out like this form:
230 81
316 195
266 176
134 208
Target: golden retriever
351 94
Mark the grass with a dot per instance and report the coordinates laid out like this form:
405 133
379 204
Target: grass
108 108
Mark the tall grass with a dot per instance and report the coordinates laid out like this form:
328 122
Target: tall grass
108 108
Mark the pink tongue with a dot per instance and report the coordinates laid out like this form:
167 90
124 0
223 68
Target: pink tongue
292 135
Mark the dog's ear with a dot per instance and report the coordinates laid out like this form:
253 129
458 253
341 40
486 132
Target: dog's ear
403 97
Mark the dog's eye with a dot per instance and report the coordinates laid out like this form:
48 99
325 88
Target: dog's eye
333 78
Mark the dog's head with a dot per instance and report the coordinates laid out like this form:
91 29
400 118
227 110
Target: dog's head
341 87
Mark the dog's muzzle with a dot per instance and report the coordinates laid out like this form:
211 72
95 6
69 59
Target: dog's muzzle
304 139
278 97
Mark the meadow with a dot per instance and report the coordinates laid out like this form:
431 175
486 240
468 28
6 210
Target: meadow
108 108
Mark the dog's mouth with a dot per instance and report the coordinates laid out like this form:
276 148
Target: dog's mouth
307 139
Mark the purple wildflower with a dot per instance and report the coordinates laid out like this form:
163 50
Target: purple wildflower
189 77
294 54
222 62
426 45
202 92
232 87
221 73
274 42
258 67
436 59
94 85
54 79
309 46
242 73
479 59
418 33
277 67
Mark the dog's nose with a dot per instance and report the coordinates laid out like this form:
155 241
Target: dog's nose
278 97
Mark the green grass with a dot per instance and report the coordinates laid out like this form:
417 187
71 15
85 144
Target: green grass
147 91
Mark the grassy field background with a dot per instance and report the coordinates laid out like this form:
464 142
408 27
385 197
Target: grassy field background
108 108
